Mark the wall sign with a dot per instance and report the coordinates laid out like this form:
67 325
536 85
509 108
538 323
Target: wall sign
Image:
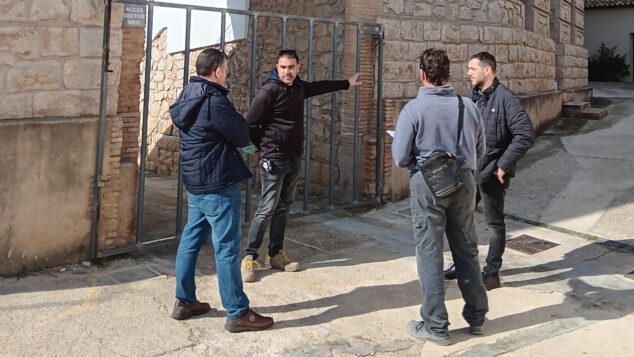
134 15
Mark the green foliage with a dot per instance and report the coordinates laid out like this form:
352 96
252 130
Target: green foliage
607 66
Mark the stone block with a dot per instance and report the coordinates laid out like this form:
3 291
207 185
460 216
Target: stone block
457 53
169 143
464 13
392 90
398 71
451 33
408 30
479 16
578 18
7 59
16 106
565 11
411 89
456 70
422 9
20 41
493 12
90 12
469 33
49 10
60 41
80 73
36 75
396 50
432 31
394 7
13 11
543 4
66 103
476 48
505 70
492 34
579 4
392 29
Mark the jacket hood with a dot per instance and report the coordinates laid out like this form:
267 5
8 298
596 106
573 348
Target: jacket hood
186 108
274 77
438 90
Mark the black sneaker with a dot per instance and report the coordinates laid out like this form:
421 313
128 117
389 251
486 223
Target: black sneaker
491 281
450 273
417 329
476 329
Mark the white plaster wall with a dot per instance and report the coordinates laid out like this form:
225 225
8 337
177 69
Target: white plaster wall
614 27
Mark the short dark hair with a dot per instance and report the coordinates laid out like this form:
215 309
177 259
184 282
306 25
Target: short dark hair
209 60
435 64
288 53
486 59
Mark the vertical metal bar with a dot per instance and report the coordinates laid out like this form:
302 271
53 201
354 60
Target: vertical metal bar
333 108
101 128
223 25
146 99
379 119
179 195
254 32
283 33
308 116
355 172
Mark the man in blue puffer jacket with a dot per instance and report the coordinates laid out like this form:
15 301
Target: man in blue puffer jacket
211 130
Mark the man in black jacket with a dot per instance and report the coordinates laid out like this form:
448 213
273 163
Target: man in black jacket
276 127
509 134
210 131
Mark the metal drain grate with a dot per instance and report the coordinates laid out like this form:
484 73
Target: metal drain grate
529 244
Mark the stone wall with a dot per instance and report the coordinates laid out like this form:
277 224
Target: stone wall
526 60
50 58
166 83
572 58
50 76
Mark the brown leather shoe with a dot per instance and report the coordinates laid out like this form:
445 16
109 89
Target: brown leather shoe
251 321
183 311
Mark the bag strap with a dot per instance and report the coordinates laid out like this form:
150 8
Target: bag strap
460 120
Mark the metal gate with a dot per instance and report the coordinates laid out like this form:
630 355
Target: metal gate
374 30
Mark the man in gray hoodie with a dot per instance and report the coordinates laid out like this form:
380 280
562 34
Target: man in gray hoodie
426 124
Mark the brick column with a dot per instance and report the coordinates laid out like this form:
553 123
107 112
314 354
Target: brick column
359 10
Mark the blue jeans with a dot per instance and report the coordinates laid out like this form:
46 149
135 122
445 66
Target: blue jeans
278 193
217 214
432 218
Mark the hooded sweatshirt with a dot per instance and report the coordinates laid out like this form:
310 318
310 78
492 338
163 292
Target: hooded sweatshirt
210 131
429 122
276 116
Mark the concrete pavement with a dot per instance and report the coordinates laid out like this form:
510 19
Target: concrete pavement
359 287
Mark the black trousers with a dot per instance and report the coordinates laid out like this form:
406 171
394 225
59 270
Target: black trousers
492 193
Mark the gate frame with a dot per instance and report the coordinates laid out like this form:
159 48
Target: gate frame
378 34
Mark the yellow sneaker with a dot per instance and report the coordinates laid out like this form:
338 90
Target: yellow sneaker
247 268
281 261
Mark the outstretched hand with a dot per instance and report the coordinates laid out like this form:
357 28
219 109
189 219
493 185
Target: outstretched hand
354 80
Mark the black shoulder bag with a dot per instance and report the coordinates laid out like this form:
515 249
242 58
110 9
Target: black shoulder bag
441 170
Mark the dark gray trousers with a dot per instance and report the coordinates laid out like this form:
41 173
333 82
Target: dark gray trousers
492 194
278 192
432 218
